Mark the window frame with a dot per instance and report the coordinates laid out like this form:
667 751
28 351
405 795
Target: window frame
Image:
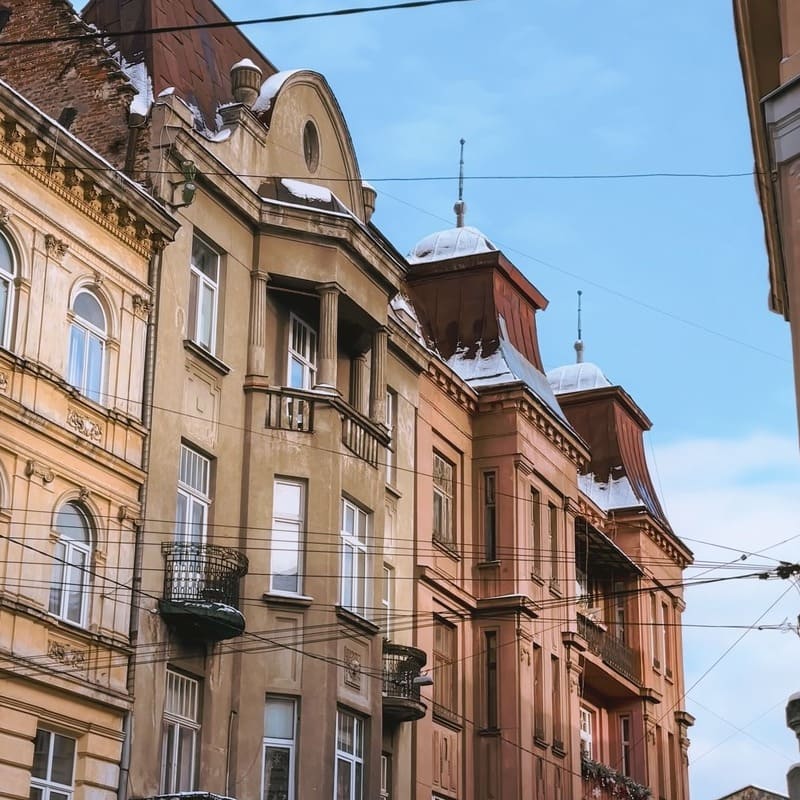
62 564
198 281
391 424
196 496
357 575
443 523
8 276
625 743
557 702
552 535
306 360
535 523
299 521
586 726
90 333
355 759
180 723
281 743
539 717
489 516
491 666
444 668
46 785
387 599
655 633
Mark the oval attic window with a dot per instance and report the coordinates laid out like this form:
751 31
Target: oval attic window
311 146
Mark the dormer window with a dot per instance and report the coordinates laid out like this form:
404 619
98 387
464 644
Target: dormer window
302 367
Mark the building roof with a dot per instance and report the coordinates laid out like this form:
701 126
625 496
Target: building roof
577 377
753 793
450 243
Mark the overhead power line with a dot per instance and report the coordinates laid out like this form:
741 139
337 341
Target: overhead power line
339 12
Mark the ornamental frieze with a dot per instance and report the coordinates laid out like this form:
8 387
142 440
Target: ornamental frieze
84 426
3 382
35 469
56 248
66 654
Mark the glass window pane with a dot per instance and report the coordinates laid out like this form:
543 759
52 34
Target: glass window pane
181 514
287 499
167 756
4 295
285 549
347 576
277 765
362 526
297 379
41 751
71 524
345 733
57 581
89 309
36 794
94 368
279 719
343 779
205 317
349 525
204 259
185 767
63 760
198 522
77 346
74 585
357 781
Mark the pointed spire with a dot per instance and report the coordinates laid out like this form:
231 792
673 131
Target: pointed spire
579 342
460 207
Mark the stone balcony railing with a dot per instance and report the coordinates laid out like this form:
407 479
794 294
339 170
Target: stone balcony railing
611 650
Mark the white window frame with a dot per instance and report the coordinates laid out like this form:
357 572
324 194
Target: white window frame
78 374
280 743
387 599
354 758
303 351
201 284
71 554
444 473
391 448
386 777
7 277
46 786
587 732
194 493
625 743
355 566
292 523
181 715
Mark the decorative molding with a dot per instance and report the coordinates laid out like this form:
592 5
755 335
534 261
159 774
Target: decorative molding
352 670
56 248
84 426
66 654
39 470
142 306
3 382
83 493
5 215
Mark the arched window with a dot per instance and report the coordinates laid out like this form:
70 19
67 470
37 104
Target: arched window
87 344
69 587
6 290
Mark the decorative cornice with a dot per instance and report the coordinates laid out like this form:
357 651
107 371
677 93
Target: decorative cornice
35 469
29 151
142 306
84 426
452 386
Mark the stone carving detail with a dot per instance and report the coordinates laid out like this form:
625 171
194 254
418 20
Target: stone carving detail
3 382
84 426
56 248
142 306
35 469
83 493
65 654
352 674
5 215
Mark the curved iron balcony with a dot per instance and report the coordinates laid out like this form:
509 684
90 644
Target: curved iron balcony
401 700
201 590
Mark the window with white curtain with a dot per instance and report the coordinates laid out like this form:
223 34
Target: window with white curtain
288 510
87 345
203 295
69 585
280 745
355 528
7 275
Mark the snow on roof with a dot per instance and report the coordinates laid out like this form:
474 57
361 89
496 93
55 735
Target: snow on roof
404 311
269 89
307 191
577 378
614 493
451 243
138 76
245 62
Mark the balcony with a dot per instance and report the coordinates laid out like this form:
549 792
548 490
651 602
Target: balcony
611 650
201 590
601 782
290 410
401 700
361 438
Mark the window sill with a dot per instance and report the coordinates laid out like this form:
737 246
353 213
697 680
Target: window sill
558 748
207 358
287 600
555 588
486 565
446 717
537 579
393 490
490 732
540 741
357 621
446 549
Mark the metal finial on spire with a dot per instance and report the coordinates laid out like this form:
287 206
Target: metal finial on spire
460 207
579 342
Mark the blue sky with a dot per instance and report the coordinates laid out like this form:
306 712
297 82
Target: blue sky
557 87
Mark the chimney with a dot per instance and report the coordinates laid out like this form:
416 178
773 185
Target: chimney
369 195
245 82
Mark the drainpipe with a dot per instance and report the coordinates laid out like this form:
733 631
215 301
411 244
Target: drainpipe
153 281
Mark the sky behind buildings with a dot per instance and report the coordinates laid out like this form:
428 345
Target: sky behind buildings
673 272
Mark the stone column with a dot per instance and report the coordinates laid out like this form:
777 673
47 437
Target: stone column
256 350
377 392
360 387
328 323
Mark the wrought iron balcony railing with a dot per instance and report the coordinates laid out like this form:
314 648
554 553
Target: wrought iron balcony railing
615 653
401 696
201 589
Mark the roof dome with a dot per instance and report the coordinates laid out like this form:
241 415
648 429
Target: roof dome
577 378
452 243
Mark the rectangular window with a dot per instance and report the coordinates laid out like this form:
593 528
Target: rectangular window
302 369
288 523
620 601
445 689
672 755
489 516
552 537
538 694
391 424
180 733
655 631
203 295
443 520
194 498
625 744
348 779
387 599
666 639
535 523
555 685
53 766
280 747
490 654
355 526
662 777
587 732
386 777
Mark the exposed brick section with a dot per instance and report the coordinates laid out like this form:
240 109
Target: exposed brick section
58 76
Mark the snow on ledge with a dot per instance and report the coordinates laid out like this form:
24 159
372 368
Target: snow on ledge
615 493
270 88
307 191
